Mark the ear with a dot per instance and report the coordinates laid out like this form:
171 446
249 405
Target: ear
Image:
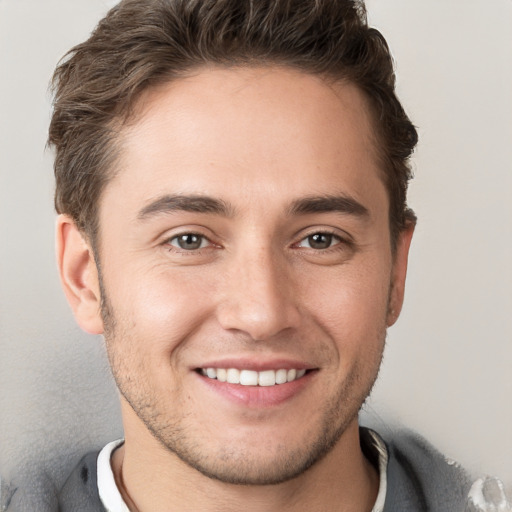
399 273
79 275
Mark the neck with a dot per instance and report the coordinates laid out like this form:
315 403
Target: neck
151 478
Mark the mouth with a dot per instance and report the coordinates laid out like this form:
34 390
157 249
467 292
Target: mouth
257 384
265 378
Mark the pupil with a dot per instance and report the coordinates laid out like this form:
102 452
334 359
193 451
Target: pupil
189 241
320 241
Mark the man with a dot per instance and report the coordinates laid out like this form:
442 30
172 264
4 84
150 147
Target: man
231 184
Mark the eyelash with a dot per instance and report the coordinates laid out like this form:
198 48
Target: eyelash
176 248
338 245
335 241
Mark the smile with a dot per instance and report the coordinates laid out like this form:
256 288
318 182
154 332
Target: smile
251 377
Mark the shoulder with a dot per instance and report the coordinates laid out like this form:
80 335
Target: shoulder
80 492
420 478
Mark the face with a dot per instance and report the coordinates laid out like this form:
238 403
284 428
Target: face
244 241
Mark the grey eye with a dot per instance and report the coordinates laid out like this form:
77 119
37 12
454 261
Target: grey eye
189 241
319 241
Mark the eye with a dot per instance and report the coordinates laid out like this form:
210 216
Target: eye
189 241
319 241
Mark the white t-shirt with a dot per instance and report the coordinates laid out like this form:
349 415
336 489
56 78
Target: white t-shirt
113 501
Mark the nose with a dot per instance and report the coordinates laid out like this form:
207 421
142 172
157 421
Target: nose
258 296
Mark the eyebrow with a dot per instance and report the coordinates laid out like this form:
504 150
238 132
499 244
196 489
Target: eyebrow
187 203
329 203
203 204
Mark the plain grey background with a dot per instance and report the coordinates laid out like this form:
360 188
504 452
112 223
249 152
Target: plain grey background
447 371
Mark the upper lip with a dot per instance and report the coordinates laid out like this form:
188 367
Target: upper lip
257 365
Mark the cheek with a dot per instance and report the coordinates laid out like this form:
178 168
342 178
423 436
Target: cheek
352 304
159 308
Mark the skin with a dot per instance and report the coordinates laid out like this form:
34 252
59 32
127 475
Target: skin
258 291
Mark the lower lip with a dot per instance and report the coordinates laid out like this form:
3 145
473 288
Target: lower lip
258 396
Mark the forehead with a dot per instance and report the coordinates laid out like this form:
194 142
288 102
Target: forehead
238 132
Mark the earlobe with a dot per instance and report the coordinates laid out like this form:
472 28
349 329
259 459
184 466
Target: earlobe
399 273
79 275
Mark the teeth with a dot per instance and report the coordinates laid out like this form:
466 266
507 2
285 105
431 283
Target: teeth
233 376
267 378
248 378
253 378
281 376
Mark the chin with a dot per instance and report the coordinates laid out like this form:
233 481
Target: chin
261 457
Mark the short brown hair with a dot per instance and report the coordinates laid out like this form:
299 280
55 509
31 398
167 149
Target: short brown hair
143 43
